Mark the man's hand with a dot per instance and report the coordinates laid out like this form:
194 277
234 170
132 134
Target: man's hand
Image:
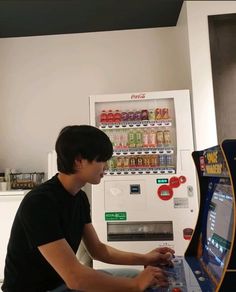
159 256
151 276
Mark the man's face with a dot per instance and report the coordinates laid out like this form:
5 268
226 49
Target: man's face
90 172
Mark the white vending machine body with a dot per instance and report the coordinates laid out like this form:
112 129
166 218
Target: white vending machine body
148 197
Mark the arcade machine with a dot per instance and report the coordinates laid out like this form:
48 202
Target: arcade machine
148 196
209 263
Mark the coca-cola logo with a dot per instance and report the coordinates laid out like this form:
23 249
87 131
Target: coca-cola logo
137 96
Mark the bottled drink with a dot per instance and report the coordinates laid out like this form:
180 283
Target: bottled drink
158 114
111 163
123 139
139 161
165 113
152 141
117 116
151 115
145 138
116 139
160 138
126 162
119 162
110 117
144 115
162 160
110 134
132 162
139 138
170 160
131 115
146 161
103 117
153 161
124 116
131 138
137 115
167 138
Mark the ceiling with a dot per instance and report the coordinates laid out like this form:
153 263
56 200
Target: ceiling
32 18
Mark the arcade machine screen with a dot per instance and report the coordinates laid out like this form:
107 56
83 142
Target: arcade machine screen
217 228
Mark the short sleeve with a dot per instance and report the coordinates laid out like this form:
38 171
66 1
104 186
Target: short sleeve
87 211
40 219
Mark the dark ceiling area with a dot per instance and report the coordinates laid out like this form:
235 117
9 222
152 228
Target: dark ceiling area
32 18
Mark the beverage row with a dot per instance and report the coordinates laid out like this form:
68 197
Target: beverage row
141 161
138 138
117 116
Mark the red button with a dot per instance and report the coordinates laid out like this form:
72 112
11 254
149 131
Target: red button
165 192
174 182
182 179
176 290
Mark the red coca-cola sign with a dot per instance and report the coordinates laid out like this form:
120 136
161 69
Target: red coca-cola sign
138 96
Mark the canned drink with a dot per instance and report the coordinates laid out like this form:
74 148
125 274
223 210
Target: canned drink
160 138
167 138
158 114
144 115
151 115
165 113
162 160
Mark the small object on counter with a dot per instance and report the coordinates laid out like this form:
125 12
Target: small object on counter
26 180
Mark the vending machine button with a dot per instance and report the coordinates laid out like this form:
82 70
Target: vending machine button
165 192
182 179
174 182
176 290
190 191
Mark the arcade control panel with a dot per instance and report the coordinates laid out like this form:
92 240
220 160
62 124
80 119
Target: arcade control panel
182 278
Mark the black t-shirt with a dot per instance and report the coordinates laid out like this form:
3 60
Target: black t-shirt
47 213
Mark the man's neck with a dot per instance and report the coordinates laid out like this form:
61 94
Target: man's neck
70 183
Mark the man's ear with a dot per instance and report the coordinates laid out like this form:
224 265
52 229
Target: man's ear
78 162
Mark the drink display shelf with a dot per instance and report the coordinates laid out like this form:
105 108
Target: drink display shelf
143 151
169 170
136 124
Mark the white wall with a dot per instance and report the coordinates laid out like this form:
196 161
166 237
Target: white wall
45 83
200 61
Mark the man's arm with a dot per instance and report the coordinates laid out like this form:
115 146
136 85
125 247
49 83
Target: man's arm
79 277
108 254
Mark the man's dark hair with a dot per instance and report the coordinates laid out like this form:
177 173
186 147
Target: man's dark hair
81 141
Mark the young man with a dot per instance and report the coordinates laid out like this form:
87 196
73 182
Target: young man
54 217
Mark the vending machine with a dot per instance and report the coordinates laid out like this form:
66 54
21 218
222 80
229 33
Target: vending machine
148 197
